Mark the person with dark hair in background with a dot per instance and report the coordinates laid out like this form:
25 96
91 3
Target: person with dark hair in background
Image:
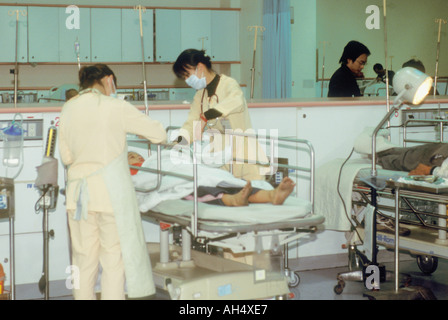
381 73
103 216
219 103
70 93
417 64
343 81
414 63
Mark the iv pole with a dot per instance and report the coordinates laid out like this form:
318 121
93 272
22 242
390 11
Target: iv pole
140 9
16 64
323 71
439 21
385 60
262 29
77 53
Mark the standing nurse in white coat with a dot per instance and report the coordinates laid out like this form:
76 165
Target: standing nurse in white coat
220 103
104 220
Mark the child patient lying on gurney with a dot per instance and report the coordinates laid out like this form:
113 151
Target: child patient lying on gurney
231 196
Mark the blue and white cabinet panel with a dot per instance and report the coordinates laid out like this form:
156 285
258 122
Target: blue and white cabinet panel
168 34
196 29
106 34
8 34
131 38
74 28
225 35
43 34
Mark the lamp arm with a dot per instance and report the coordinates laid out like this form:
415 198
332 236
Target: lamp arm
375 132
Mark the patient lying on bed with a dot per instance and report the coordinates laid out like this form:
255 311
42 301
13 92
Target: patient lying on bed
231 196
418 160
425 159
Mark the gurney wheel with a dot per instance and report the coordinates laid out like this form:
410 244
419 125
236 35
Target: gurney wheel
339 287
294 280
427 264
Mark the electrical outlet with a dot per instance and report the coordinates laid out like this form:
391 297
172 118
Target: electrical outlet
32 129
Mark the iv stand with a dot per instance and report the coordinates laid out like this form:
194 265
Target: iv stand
77 53
16 64
47 202
439 21
385 60
323 72
262 29
140 9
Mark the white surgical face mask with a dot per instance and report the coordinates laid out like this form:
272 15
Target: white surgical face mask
113 89
195 82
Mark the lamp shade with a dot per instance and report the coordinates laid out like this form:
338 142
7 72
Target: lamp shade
412 85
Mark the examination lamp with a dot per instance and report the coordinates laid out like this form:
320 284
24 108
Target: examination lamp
411 86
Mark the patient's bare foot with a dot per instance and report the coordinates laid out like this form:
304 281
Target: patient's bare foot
283 190
239 199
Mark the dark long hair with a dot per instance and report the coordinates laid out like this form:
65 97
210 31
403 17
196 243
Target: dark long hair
89 75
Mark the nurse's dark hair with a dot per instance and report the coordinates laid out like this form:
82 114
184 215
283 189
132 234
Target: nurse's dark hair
89 75
352 51
190 58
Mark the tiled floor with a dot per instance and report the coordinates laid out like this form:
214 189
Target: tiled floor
319 284
314 285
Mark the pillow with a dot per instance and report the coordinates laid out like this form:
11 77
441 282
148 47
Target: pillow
363 143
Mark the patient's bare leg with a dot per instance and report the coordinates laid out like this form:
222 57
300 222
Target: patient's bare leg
276 196
239 199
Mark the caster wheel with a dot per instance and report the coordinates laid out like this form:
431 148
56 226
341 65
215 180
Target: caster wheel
427 264
338 289
294 280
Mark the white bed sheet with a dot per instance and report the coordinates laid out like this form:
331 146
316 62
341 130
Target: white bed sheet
292 208
174 188
327 200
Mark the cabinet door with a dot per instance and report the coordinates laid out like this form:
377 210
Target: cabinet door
195 30
105 34
225 35
168 26
8 34
43 34
74 28
131 50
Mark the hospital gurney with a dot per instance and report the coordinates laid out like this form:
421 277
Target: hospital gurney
422 210
205 272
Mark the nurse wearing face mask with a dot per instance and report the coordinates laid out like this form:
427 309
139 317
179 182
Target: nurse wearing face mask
104 220
219 102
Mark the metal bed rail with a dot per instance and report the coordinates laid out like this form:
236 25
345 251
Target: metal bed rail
424 123
407 196
272 163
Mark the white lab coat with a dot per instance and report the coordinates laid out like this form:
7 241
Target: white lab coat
92 143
